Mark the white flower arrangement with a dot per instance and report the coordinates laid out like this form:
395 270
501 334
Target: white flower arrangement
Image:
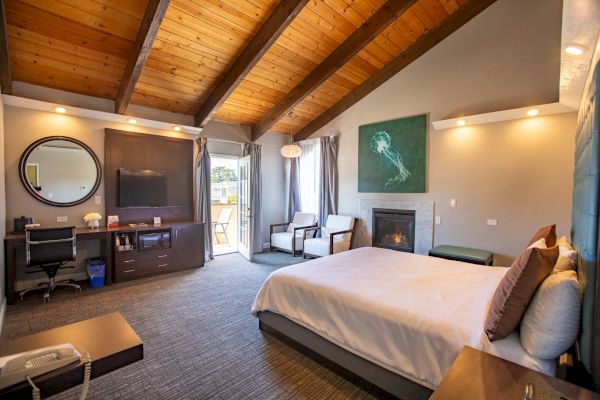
92 217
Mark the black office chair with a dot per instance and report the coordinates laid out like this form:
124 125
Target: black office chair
49 249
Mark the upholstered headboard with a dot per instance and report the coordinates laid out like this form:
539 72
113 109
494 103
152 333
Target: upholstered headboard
584 234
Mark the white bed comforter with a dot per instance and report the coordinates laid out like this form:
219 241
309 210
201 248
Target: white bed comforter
408 313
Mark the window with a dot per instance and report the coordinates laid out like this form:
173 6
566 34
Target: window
310 174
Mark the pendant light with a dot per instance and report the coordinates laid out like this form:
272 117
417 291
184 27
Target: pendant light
291 150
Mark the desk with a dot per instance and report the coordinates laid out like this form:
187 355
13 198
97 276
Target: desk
109 339
476 375
15 241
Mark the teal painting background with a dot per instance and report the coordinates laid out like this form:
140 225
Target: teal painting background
409 139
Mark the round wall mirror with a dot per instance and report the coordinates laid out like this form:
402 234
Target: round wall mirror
60 171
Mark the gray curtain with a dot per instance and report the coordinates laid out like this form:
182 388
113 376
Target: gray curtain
202 194
294 190
328 192
254 151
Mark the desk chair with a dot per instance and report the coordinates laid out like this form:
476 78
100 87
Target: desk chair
49 249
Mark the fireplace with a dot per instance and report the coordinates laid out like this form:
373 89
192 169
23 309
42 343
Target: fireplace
394 229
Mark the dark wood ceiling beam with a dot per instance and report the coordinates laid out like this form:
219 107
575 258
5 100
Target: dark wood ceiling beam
155 12
5 77
268 33
428 40
377 23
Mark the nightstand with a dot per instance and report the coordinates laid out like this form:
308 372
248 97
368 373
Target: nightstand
476 375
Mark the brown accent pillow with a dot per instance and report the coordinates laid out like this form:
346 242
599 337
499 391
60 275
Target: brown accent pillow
548 233
516 289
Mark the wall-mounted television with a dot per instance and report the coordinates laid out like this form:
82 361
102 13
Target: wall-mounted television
147 188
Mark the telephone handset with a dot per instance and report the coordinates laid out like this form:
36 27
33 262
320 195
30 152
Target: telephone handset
17 367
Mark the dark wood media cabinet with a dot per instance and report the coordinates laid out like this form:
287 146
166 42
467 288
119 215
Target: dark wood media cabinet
184 249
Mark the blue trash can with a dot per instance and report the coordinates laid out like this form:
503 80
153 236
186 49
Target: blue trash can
96 270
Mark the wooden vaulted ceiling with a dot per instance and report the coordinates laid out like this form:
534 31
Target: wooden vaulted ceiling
289 66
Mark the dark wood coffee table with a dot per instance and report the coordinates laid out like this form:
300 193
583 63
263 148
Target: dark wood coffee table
109 340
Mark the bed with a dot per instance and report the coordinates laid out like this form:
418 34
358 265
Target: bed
424 307
405 313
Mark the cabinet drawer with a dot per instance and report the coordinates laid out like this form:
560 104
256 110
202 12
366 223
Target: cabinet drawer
127 272
154 258
126 257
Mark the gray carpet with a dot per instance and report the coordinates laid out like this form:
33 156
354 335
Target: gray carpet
200 340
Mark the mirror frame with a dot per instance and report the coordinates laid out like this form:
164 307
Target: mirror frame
34 193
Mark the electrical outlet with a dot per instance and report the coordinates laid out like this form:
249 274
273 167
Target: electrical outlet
452 203
62 218
98 199
438 219
492 222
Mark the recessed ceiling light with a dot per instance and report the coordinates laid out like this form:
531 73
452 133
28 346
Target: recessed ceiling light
533 112
132 121
575 49
60 110
177 128
461 122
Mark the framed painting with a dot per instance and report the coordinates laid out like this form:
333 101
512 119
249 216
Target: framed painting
392 156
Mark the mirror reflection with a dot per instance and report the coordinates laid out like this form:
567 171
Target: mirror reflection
60 171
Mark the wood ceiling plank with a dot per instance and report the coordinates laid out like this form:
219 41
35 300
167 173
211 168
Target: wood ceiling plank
78 60
5 74
92 15
58 79
271 29
241 13
449 5
50 25
148 100
165 64
135 8
184 58
212 37
165 41
352 46
73 50
155 11
420 47
166 85
170 78
29 59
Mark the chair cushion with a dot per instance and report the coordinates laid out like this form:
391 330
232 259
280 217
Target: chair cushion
302 219
337 223
320 246
283 240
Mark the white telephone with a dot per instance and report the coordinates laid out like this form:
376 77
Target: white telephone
16 367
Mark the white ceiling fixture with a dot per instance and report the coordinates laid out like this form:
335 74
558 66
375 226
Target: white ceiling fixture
291 150
22 102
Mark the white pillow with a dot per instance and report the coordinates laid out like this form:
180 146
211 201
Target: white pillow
551 323
567 257
326 232
291 227
539 244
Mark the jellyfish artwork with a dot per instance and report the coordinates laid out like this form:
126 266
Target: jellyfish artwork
382 144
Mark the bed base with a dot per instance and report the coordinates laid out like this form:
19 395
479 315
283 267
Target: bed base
363 373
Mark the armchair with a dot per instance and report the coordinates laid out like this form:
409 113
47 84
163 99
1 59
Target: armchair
292 239
336 236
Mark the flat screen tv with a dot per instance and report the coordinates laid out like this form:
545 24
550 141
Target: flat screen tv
145 188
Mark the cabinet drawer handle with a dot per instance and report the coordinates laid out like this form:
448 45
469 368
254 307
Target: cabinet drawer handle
162 265
163 256
129 270
128 261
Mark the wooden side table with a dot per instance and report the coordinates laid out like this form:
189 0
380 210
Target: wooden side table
476 375
109 340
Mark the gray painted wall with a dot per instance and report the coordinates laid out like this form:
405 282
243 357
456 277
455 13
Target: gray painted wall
518 172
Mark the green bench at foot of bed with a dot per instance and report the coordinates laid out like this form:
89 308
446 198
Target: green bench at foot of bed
474 256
